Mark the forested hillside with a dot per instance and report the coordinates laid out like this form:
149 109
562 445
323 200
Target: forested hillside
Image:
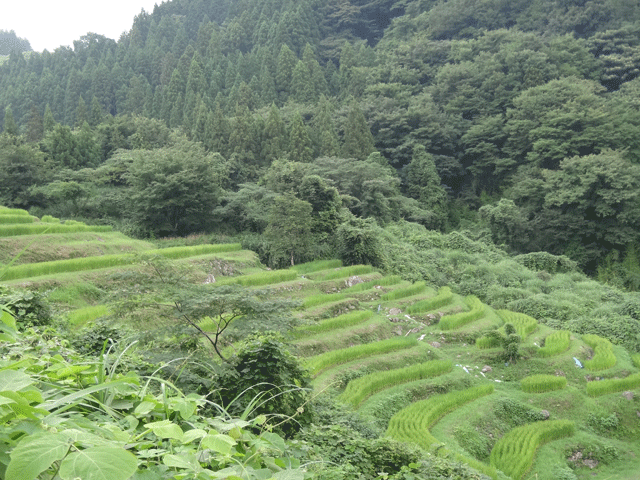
525 112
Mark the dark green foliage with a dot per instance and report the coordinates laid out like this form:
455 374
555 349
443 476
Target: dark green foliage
102 334
515 414
265 373
11 43
358 242
29 308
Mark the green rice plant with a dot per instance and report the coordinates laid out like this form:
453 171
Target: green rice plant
336 357
487 342
195 250
542 383
13 211
13 219
409 291
412 424
103 261
636 359
383 282
603 356
613 385
38 228
266 278
444 297
555 343
524 324
515 451
49 219
315 300
87 314
457 320
343 321
316 266
360 389
349 272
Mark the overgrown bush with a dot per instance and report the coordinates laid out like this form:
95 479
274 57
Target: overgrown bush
29 308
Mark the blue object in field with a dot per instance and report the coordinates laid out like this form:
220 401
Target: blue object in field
578 363
379 308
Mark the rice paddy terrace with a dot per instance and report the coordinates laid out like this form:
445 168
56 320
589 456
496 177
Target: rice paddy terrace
424 365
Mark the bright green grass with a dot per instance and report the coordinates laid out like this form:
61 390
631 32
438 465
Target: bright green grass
603 357
524 324
360 389
106 261
515 451
555 344
13 211
349 272
457 320
409 291
320 299
636 360
83 315
336 357
613 385
542 383
15 219
444 297
38 228
383 282
342 321
316 266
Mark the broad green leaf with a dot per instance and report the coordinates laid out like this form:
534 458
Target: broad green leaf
218 443
34 455
166 429
191 435
145 407
289 475
99 463
274 440
189 462
186 408
14 381
8 320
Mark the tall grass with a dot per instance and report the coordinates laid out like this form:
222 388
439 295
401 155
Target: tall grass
13 211
603 357
613 385
360 389
316 266
195 250
104 261
487 342
336 357
542 383
383 282
409 291
322 298
49 219
635 358
515 451
412 424
457 320
87 314
444 297
555 343
37 228
265 278
343 321
7 219
524 324
349 271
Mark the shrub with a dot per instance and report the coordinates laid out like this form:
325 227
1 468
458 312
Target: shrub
29 308
555 343
457 320
336 357
361 388
444 297
603 357
542 383
514 452
414 289
613 385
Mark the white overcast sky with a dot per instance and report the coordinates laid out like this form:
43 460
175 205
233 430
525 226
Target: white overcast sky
52 23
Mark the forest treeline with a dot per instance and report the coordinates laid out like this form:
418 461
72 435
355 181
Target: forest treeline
324 119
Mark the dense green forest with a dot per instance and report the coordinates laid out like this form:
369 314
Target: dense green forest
474 164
